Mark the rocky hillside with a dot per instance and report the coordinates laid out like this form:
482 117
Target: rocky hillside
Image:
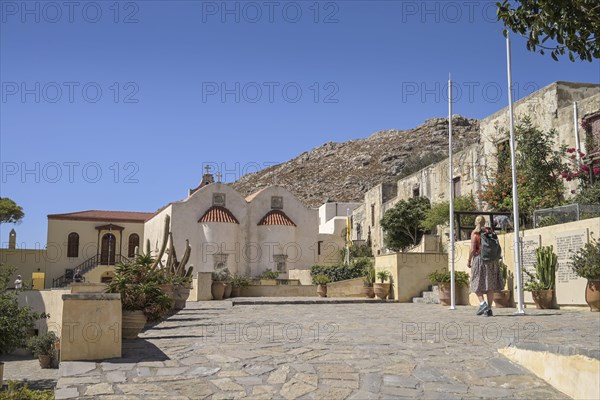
345 171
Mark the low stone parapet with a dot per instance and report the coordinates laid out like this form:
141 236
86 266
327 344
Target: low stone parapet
91 326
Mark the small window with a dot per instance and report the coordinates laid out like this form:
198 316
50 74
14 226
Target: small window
73 245
277 202
372 214
416 191
134 241
456 186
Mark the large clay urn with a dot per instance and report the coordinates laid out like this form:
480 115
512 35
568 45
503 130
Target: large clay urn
322 290
592 295
382 290
132 324
543 299
181 295
369 292
217 289
227 291
169 290
444 293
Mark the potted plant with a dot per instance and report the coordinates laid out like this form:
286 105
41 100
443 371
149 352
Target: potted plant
219 279
42 347
541 284
586 264
382 289
237 283
268 277
141 298
368 281
321 281
443 280
502 298
228 287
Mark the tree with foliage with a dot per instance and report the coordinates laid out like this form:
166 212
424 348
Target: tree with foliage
15 321
573 24
439 213
539 168
9 211
402 224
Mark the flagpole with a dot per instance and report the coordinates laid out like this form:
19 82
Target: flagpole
515 195
451 189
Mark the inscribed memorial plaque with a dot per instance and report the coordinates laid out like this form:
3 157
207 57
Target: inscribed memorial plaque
568 243
530 245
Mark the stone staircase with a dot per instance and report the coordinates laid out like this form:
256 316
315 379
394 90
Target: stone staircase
432 296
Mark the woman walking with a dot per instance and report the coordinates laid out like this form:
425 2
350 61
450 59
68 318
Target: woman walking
485 275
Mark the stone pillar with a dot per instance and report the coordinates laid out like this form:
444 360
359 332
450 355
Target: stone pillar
91 326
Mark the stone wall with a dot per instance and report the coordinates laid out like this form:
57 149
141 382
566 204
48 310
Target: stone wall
570 290
409 272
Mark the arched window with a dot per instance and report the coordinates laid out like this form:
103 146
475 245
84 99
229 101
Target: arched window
134 241
73 245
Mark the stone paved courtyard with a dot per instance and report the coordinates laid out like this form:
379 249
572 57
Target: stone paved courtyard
332 351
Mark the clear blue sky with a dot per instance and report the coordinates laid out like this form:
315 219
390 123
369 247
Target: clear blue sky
147 92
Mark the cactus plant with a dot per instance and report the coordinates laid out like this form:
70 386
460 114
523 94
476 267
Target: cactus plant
173 270
545 266
545 270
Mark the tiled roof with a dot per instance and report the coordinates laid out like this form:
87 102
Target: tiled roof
219 214
98 215
276 217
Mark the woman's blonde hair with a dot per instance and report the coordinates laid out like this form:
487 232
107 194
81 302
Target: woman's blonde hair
479 223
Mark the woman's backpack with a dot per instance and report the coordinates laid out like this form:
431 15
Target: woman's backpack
490 246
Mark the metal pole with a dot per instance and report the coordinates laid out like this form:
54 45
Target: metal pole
515 195
451 188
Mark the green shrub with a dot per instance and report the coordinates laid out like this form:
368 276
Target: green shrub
383 276
42 345
586 261
357 269
268 274
18 391
460 277
15 321
321 279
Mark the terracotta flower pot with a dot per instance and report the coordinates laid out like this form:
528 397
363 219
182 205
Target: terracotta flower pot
45 361
181 295
382 290
502 299
132 324
217 290
444 294
592 295
227 291
235 291
169 290
543 299
322 290
369 292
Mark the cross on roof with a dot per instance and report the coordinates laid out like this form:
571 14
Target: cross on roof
207 168
218 175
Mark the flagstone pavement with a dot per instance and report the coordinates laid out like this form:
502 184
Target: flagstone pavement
213 350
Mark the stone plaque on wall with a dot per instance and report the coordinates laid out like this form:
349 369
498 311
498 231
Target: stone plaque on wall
277 202
530 245
568 243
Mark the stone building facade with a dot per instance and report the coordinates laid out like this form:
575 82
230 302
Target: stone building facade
549 108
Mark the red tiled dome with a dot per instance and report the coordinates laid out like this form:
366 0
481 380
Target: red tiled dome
276 217
218 214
